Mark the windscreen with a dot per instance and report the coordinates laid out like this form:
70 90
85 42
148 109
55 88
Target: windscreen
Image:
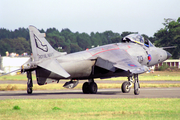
137 38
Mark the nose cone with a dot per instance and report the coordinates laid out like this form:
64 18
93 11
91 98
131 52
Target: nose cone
168 55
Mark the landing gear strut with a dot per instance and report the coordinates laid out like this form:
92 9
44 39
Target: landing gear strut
90 87
136 85
126 86
29 83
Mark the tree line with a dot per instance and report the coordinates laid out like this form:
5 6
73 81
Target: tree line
18 41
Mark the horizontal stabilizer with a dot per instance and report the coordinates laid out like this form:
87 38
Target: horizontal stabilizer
55 67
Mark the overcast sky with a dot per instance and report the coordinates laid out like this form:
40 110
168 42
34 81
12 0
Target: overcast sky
143 16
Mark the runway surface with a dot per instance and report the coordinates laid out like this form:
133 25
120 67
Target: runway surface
101 94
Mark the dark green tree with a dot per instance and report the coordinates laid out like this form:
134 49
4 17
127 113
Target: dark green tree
84 41
169 36
5 33
74 48
17 45
116 39
123 34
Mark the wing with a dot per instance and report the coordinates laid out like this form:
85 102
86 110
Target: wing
119 59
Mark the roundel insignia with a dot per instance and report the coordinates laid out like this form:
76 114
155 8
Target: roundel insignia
132 65
149 57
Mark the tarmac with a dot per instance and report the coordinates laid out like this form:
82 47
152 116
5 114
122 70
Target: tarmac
101 94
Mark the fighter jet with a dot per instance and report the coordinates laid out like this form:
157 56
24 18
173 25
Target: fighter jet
128 59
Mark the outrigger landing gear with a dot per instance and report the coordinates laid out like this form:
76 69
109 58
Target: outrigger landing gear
126 86
90 87
29 83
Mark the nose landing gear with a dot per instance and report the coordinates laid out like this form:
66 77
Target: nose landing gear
136 85
126 86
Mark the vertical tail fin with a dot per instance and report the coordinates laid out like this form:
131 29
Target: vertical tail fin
40 46
41 50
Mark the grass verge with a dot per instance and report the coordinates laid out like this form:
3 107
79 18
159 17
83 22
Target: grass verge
13 87
16 77
87 109
157 75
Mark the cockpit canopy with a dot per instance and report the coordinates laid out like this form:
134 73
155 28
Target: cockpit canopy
137 38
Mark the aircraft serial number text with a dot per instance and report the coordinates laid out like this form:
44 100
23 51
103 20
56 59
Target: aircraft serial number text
46 55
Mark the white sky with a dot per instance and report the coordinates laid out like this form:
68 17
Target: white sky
143 16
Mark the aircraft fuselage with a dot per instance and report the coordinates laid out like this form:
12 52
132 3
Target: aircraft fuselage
81 65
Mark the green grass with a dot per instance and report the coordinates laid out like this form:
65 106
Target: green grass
13 87
161 75
16 77
16 108
157 75
90 109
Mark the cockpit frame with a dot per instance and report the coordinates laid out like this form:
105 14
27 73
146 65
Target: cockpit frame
137 38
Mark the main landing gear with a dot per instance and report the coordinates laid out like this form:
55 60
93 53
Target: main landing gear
90 87
29 83
126 86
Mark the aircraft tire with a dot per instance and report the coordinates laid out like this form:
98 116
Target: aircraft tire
85 88
136 92
29 90
93 88
136 88
125 88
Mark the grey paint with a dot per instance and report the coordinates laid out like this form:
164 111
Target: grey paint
112 60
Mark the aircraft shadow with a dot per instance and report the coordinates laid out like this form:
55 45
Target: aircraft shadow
60 93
